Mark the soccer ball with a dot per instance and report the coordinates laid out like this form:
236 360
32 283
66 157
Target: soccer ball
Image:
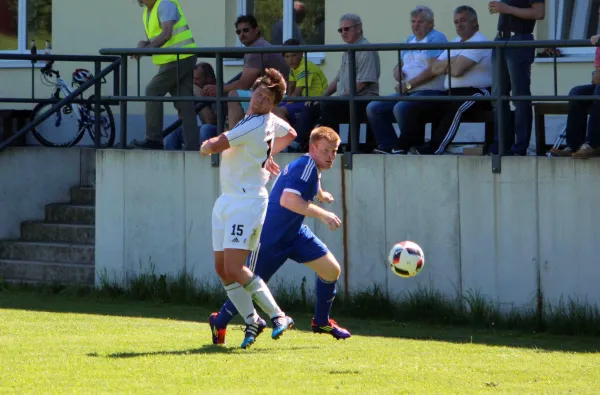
406 259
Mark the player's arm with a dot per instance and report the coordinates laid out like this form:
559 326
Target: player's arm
215 145
239 135
294 202
284 135
324 196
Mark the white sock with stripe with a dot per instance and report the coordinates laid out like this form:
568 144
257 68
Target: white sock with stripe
242 300
263 297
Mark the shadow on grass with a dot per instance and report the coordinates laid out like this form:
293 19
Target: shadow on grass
463 334
204 350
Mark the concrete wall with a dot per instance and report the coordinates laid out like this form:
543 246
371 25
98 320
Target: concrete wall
499 235
30 178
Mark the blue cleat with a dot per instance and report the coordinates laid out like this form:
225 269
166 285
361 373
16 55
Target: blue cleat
280 325
332 328
252 331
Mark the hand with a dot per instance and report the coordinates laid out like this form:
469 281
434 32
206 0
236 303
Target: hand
396 73
331 220
594 39
141 44
497 7
209 90
203 149
272 167
325 197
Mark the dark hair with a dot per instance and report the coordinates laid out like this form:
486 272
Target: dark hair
274 81
207 70
468 10
292 41
249 19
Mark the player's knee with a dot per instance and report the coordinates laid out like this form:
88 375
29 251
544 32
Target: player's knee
222 273
330 270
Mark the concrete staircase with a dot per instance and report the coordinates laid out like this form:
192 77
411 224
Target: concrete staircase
59 249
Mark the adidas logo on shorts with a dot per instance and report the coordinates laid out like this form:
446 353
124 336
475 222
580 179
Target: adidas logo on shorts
235 240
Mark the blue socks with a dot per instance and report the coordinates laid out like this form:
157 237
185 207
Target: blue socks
228 311
325 294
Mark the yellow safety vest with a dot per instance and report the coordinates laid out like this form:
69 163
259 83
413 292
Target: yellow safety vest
182 35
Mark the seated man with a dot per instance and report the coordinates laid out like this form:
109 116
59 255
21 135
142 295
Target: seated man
470 74
303 74
254 63
417 80
368 70
204 74
579 145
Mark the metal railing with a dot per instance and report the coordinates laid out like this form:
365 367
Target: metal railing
221 53
96 82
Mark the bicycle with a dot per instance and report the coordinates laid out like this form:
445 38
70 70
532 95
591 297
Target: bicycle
82 114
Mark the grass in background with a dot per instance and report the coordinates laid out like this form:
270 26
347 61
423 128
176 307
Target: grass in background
61 342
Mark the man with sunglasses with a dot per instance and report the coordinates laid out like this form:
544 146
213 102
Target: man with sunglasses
249 35
368 70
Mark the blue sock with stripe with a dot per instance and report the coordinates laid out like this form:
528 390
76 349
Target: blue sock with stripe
325 294
226 314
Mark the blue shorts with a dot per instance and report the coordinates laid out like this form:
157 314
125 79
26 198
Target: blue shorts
267 259
293 109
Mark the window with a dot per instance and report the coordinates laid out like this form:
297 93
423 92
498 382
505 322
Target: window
24 21
574 20
278 21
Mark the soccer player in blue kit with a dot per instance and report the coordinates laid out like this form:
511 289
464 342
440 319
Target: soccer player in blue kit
285 236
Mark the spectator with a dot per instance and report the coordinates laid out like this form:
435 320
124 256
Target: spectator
579 145
470 74
277 29
302 74
254 64
368 71
166 26
417 80
516 22
204 74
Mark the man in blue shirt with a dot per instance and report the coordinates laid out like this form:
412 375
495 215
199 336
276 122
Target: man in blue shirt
284 235
516 22
417 80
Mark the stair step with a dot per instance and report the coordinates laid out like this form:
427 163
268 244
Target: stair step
83 195
66 233
47 272
70 213
46 252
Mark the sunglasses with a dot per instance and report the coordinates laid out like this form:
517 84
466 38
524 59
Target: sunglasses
345 29
245 30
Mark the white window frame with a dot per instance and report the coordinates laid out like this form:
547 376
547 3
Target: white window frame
288 19
21 43
582 8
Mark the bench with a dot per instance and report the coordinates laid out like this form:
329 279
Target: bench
540 110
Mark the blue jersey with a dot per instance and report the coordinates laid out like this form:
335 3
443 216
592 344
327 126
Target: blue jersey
282 225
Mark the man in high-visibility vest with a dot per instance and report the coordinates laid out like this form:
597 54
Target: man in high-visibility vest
166 27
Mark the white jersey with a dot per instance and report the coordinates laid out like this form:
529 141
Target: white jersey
242 170
478 76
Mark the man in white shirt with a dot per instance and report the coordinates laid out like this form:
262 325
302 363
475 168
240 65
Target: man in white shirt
239 213
469 74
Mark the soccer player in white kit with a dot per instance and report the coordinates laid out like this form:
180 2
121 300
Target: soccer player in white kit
239 213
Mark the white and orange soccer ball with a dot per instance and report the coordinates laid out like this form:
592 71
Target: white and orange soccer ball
406 259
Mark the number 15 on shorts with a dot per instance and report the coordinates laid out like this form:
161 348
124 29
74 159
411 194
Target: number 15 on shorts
237 230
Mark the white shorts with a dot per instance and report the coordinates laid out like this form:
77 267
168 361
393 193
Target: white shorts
237 222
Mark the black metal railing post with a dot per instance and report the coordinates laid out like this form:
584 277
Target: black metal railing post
97 105
500 109
123 104
220 114
354 128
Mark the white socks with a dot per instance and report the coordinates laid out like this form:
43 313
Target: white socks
263 297
242 300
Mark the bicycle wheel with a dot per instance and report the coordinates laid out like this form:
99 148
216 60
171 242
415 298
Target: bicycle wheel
57 129
107 123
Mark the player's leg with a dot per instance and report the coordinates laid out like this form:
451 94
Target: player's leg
243 230
236 293
314 254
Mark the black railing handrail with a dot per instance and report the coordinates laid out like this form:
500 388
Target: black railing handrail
208 52
50 57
